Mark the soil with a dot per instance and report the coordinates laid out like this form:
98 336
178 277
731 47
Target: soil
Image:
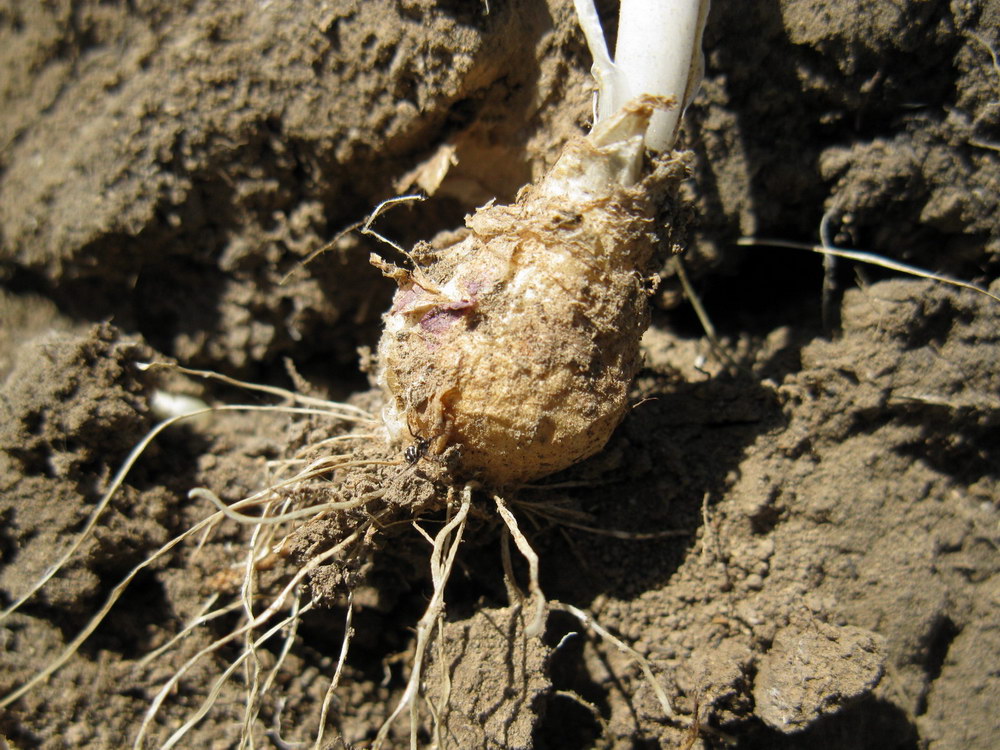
803 538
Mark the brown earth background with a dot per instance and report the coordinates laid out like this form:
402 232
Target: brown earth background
833 582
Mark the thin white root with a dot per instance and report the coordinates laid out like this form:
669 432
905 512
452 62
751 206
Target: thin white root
102 504
91 626
703 317
445 682
989 49
708 539
580 700
253 666
537 624
299 458
256 692
441 562
203 616
213 694
260 541
200 493
118 590
828 296
275 605
631 536
551 511
366 227
335 680
588 622
263 533
345 411
514 593
863 256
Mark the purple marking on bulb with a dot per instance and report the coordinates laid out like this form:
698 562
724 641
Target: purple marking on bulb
403 299
443 316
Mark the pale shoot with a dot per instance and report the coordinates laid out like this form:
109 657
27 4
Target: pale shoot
658 53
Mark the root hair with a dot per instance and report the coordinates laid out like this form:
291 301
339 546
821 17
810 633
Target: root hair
446 544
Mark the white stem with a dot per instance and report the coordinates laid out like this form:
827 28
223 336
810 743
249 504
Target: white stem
605 72
658 52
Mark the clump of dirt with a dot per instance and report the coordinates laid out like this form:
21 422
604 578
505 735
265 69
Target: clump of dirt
501 707
801 543
815 671
71 410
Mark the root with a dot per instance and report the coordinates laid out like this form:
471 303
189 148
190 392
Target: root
304 405
703 318
213 694
247 592
990 49
581 701
335 680
99 509
204 525
345 411
257 550
299 457
588 622
863 256
445 682
200 493
276 604
562 517
203 616
631 536
442 559
256 692
349 413
91 626
364 227
272 507
535 627
829 313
